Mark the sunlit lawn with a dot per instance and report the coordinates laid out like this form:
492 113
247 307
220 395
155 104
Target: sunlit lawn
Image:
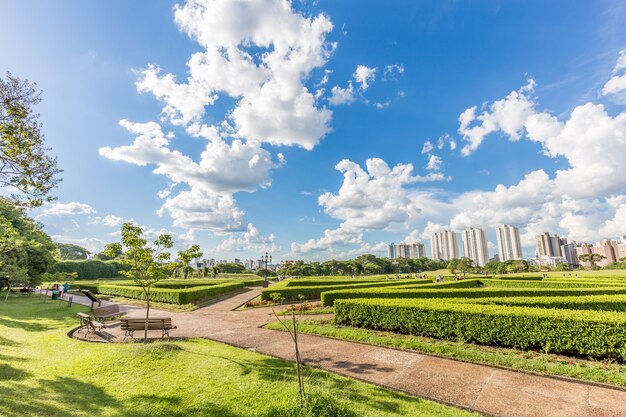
45 373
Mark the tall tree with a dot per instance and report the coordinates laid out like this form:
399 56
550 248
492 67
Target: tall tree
72 252
592 258
25 166
185 256
25 250
147 262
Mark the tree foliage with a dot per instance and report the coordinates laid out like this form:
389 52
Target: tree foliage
72 252
364 264
26 251
185 257
148 263
25 165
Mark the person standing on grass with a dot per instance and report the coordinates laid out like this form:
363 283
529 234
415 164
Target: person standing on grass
60 290
66 287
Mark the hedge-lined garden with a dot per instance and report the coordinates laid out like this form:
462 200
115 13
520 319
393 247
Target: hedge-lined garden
582 317
575 332
172 292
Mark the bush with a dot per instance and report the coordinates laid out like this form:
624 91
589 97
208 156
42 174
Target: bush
313 292
587 333
92 268
165 295
579 302
329 297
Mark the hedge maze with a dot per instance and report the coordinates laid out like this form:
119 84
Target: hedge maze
583 317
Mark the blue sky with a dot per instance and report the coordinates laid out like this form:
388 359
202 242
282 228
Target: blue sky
365 87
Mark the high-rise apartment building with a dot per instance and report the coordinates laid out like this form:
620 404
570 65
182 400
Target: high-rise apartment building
475 246
549 245
407 250
444 245
509 243
568 250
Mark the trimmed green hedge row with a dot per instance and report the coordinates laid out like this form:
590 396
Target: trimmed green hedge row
587 333
329 282
541 284
92 268
313 292
580 302
329 297
166 295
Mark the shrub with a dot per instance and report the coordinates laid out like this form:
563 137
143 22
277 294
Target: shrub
316 404
329 297
313 292
587 333
580 302
165 295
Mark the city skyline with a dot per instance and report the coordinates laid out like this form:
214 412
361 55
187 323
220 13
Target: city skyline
383 124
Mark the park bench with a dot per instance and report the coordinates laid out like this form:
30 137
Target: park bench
130 325
86 322
106 312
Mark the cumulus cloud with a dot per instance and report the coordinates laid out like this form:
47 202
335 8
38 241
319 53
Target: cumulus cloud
364 75
249 240
93 245
434 163
260 54
428 147
66 209
341 95
507 115
112 221
617 83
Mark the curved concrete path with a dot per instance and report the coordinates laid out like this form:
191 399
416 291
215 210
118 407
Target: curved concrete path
481 388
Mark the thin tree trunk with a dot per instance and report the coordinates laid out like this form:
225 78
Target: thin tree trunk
298 361
8 292
145 334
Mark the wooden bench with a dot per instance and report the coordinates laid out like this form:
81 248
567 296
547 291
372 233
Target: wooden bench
106 312
130 325
86 322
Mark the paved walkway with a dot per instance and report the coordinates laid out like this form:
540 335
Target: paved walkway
481 388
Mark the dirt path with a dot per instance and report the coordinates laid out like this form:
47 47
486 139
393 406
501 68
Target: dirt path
481 388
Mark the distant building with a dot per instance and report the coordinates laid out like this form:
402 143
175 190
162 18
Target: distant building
569 253
550 261
407 250
475 246
549 245
444 245
509 243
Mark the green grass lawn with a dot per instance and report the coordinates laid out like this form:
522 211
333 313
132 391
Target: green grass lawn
529 361
44 373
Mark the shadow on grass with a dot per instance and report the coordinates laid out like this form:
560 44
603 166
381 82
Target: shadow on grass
62 396
9 373
281 372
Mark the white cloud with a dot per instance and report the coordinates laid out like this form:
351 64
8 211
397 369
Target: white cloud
250 240
112 221
617 83
364 75
392 72
341 95
434 163
507 115
93 245
259 53
428 147
66 209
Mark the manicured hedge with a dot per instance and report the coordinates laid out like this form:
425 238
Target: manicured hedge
313 292
580 302
588 333
329 297
166 295
329 282
540 284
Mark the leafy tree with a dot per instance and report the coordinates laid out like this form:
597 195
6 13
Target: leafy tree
147 263
185 256
592 258
24 163
372 268
72 252
114 251
26 251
